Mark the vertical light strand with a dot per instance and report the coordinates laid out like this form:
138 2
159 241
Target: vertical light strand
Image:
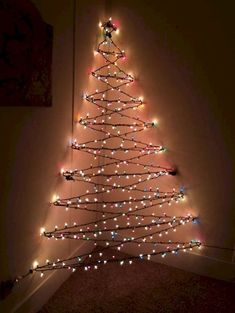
73 64
74 8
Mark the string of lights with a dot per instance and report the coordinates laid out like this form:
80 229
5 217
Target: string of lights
121 182
78 261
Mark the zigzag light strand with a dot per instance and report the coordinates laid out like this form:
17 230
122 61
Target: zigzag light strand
125 170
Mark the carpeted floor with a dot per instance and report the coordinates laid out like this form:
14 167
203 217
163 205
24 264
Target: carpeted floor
141 287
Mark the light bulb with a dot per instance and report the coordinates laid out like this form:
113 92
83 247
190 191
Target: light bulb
155 123
55 197
42 231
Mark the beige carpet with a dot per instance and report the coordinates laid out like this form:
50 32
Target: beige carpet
141 287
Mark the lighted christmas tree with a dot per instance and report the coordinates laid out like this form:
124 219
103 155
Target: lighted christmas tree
122 182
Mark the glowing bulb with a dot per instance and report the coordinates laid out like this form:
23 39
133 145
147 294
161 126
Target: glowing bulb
100 24
155 123
35 264
117 31
42 230
55 197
